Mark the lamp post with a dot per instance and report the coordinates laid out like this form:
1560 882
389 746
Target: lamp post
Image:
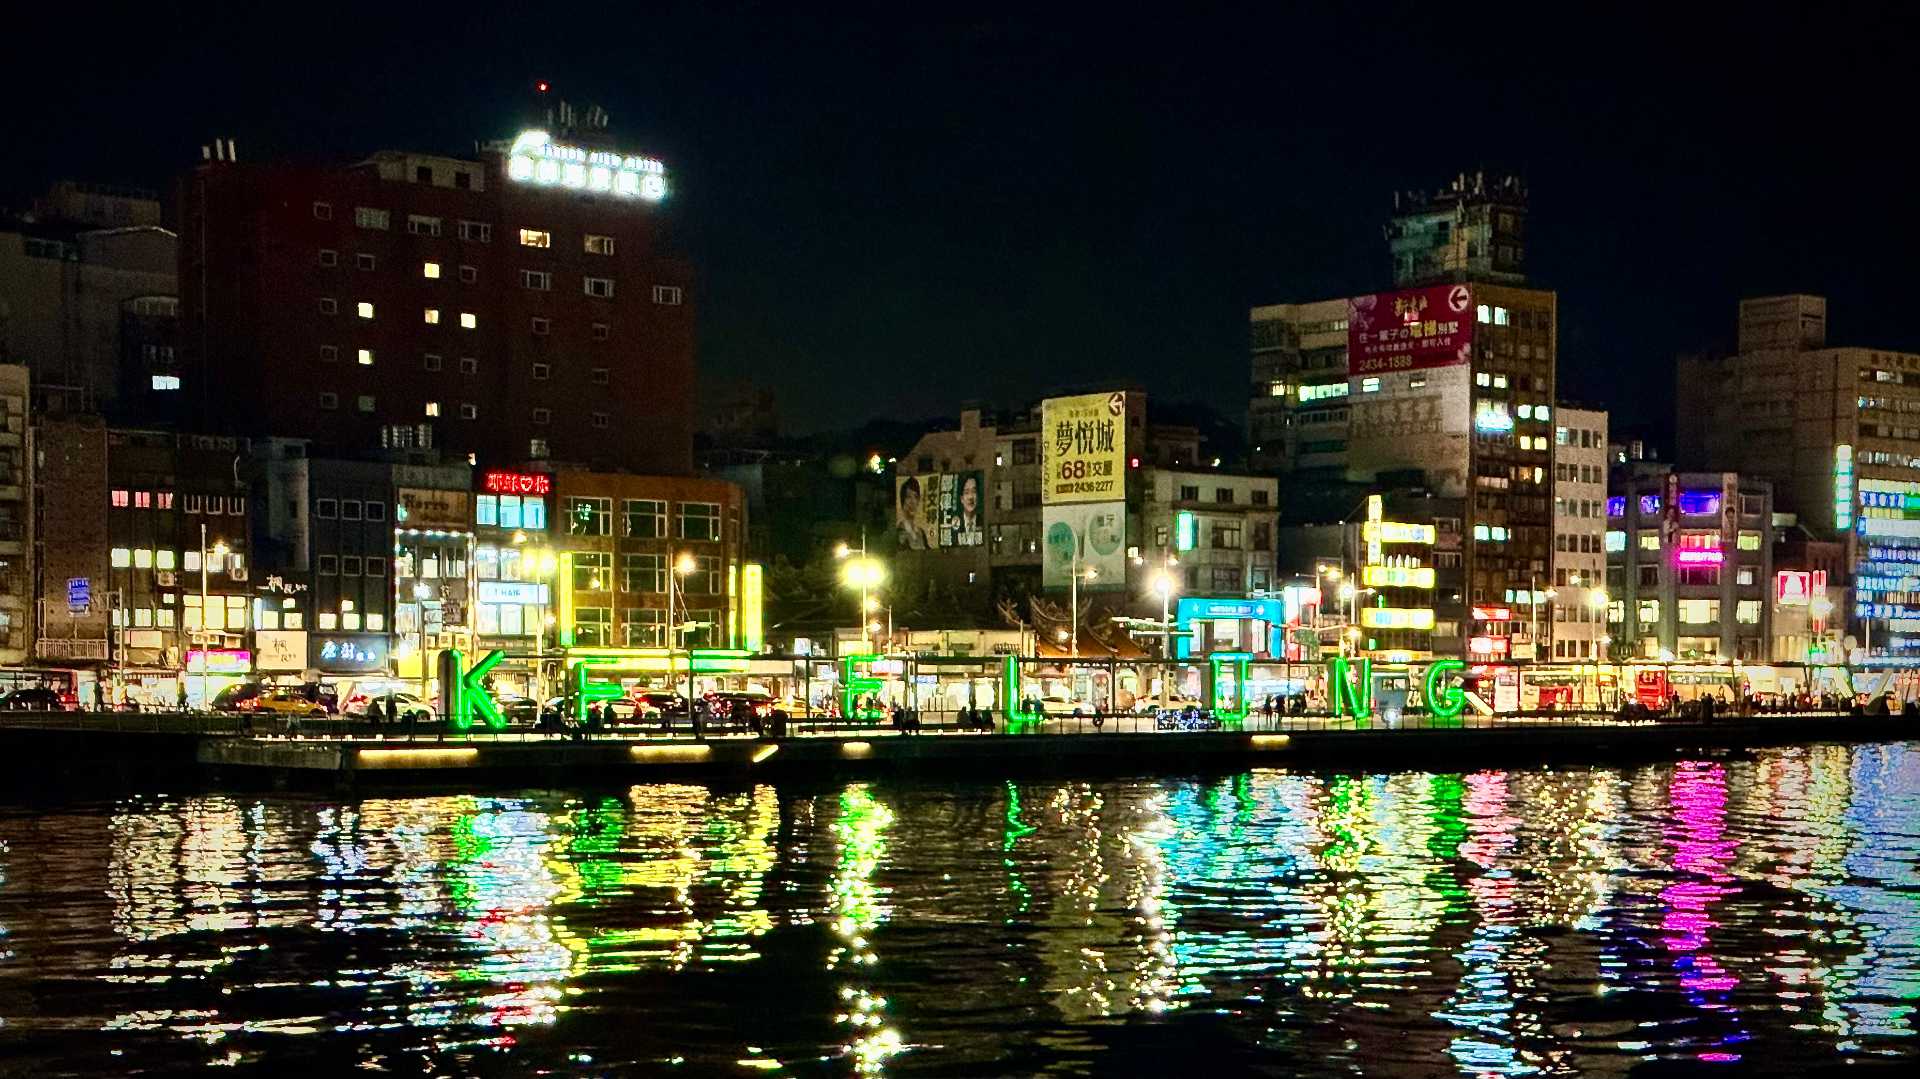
865 574
683 565
219 550
1073 603
422 591
1533 605
1163 584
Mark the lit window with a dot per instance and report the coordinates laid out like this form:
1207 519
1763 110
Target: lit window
1499 316
535 238
599 245
433 408
166 382
1542 412
1369 385
365 309
122 558
1482 378
366 357
433 316
1526 412
1499 382
468 320
328 620
1486 314
1749 541
163 560
430 270
143 559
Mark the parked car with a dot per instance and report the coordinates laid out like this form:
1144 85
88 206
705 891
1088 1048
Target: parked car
651 705
235 698
393 706
519 711
562 708
742 708
37 699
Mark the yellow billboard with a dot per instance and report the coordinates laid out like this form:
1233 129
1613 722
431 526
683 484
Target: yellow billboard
1083 448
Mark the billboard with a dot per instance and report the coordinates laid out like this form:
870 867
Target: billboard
1083 448
280 649
939 511
1410 329
1087 536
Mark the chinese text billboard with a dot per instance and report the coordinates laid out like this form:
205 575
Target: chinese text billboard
1410 329
939 511
1091 537
1083 448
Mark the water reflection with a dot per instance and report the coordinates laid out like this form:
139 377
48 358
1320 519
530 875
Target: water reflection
1491 923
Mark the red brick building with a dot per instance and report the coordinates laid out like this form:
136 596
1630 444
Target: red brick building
479 306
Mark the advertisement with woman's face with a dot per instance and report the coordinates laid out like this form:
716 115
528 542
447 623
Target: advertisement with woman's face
910 529
940 511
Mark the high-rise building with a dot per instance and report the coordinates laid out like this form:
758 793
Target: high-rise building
17 547
525 304
1579 624
1445 385
1837 431
1690 564
89 302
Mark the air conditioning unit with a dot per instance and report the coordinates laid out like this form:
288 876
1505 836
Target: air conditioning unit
239 574
166 578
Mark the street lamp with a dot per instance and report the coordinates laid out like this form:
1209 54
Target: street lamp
422 592
1163 584
1073 602
865 574
219 550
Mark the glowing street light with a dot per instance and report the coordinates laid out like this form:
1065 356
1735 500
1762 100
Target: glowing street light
863 573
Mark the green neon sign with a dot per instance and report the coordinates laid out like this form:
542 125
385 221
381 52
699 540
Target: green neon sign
586 691
1010 694
1445 699
467 692
1347 695
852 686
1186 531
1242 668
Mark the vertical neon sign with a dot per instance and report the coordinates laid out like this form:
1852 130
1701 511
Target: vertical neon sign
1346 695
1842 487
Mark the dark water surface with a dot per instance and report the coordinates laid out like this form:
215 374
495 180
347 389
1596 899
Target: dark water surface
1746 914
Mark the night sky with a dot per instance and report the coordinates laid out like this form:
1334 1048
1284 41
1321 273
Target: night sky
891 215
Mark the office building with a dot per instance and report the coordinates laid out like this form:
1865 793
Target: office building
89 302
1837 431
1578 628
1446 384
18 550
1690 564
524 304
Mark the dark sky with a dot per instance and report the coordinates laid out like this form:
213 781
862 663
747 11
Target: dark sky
895 212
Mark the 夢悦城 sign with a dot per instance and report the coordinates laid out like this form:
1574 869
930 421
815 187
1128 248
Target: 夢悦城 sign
1083 448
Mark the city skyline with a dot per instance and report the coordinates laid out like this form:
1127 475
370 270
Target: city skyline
1008 208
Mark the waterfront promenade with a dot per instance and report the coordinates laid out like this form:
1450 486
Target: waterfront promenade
222 749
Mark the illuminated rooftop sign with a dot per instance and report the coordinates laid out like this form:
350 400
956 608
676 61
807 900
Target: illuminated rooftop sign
536 159
497 482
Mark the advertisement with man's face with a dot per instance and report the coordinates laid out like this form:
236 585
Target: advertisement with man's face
940 511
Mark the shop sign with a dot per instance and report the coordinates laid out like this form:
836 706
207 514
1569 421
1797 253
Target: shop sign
513 592
79 594
499 482
280 649
219 660
349 653
428 507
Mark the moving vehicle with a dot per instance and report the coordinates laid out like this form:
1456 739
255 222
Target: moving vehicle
286 701
236 698
742 707
654 704
37 699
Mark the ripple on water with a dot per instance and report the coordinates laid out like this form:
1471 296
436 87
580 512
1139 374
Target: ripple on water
1761 909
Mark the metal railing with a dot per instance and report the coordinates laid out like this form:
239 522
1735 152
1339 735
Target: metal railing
1174 722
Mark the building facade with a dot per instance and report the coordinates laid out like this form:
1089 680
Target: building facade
475 306
18 550
91 308
1578 628
1837 429
1690 565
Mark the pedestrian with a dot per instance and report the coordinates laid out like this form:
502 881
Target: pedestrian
1910 709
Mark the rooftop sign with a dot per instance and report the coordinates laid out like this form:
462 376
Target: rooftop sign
535 159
